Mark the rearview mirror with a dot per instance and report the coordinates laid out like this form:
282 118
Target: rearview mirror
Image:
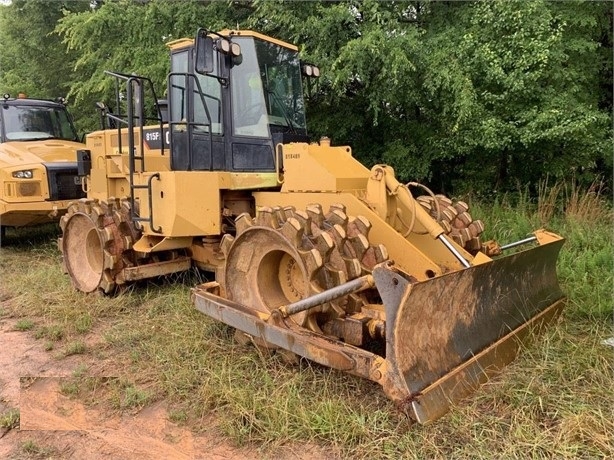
204 52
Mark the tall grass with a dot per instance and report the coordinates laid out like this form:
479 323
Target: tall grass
585 218
554 402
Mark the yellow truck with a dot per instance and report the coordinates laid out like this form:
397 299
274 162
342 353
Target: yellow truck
38 161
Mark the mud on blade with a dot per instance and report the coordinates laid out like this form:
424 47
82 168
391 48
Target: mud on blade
445 336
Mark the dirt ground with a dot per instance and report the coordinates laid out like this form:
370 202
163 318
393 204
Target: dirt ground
64 428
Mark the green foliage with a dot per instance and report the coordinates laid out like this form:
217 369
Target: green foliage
32 59
130 36
464 95
530 112
24 325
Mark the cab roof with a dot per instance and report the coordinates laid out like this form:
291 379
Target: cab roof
185 42
12 101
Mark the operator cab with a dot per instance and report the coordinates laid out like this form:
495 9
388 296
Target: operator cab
34 120
233 96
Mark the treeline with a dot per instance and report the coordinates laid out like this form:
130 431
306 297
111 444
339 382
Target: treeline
477 96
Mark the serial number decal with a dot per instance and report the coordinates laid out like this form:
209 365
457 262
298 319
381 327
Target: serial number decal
292 156
154 138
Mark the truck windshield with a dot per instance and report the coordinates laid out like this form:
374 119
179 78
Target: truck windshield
27 122
266 89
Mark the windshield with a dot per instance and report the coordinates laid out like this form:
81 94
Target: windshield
26 122
266 89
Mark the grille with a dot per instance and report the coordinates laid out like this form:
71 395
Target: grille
64 183
29 189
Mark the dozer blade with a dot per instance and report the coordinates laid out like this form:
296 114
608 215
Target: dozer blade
444 336
447 335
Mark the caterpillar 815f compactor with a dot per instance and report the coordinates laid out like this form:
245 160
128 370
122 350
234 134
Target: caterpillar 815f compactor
38 161
312 252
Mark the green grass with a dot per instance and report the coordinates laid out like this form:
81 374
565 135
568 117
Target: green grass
75 348
9 419
555 401
34 450
179 416
52 332
24 325
132 397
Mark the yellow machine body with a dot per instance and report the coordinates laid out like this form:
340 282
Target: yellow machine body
312 251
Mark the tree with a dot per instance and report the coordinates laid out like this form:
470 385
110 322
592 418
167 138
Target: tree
33 59
130 37
531 106
482 93
463 95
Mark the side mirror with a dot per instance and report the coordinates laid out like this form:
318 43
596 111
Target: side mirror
204 52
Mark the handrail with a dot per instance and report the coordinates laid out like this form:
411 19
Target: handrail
139 84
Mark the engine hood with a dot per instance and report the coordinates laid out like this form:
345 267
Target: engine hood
23 153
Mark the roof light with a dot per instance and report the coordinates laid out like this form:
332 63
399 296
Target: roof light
227 47
310 71
235 49
223 46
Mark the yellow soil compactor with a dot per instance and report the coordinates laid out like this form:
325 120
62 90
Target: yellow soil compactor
312 252
38 161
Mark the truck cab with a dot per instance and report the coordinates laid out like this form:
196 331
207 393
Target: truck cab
38 161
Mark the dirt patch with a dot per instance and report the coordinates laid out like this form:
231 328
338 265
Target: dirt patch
31 380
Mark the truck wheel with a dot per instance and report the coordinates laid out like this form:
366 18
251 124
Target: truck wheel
97 243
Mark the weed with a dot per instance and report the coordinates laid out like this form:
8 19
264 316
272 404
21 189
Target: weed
24 325
83 323
54 332
79 371
547 200
32 448
134 398
70 388
9 419
179 416
75 348
588 206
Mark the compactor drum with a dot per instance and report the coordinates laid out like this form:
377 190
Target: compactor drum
313 254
